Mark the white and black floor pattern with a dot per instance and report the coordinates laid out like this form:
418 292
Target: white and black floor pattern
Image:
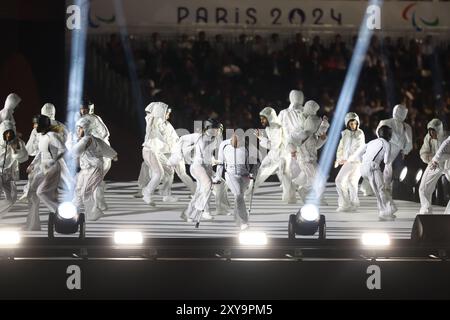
268 214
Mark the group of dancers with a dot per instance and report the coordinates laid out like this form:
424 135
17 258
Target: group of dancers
290 139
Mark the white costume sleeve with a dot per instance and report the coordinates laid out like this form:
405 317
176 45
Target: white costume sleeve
425 151
443 152
387 153
340 149
220 161
106 150
81 146
409 139
20 155
357 156
32 143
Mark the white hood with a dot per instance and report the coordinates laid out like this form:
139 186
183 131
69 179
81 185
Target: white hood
311 107
312 124
351 116
12 101
84 123
400 112
296 99
5 126
49 110
157 110
271 116
437 125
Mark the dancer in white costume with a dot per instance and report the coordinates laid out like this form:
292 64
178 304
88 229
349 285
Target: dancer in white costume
235 159
273 139
438 164
90 151
153 149
373 154
204 145
47 172
352 138
401 140
12 153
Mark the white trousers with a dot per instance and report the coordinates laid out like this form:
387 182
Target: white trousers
88 182
427 187
158 167
386 206
347 185
238 185
9 189
395 150
43 188
200 201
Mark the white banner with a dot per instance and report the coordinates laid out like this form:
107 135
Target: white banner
257 14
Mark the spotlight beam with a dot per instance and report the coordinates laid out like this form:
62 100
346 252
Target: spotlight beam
76 81
343 105
135 87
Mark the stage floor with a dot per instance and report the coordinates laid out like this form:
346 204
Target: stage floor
268 214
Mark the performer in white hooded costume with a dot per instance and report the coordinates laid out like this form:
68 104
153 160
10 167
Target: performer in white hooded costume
90 151
170 143
401 140
49 110
12 153
352 138
100 131
373 153
47 175
204 145
153 149
234 157
275 160
438 163
7 113
303 145
292 119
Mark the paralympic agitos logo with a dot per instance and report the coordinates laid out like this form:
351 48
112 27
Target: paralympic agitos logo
409 13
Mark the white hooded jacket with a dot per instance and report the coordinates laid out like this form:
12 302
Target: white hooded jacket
401 131
350 141
11 103
90 149
9 162
291 118
275 136
310 142
430 146
98 127
154 133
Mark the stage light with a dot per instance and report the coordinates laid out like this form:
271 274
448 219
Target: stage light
9 237
307 222
419 175
67 220
403 174
431 229
309 212
252 238
128 237
374 239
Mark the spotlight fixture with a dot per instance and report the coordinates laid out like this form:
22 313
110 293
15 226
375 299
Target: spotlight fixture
307 222
66 220
403 174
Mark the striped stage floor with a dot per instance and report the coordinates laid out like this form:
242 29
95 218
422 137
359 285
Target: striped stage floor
268 214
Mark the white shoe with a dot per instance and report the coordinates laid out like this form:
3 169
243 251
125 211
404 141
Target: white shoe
387 218
343 209
138 194
23 198
148 200
169 199
206 216
244 226
95 216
